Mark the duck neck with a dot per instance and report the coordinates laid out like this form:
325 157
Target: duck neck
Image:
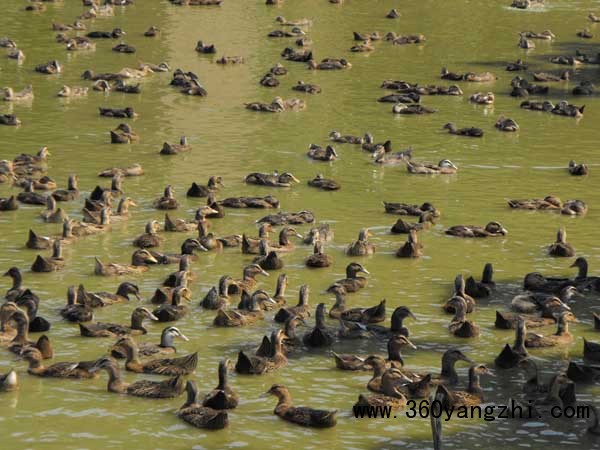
562 327
35 365
67 231
519 345
474 386
202 229
223 287
340 301
378 369
136 322
22 326
583 269
459 313
284 398
222 377
283 238
394 353
448 370
132 354
303 299
115 382
17 280
280 290
397 322
320 318
290 329
192 396
488 274
263 232
72 184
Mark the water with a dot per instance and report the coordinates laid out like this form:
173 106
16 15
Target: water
230 141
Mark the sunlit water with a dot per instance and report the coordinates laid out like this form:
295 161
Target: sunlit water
230 141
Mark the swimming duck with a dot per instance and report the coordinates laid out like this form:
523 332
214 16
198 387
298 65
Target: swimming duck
139 263
294 32
565 75
249 313
352 282
123 134
9 119
274 180
374 314
103 329
517 66
397 327
380 156
564 108
525 43
179 225
79 229
52 263
483 288
320 335
52 214
124 48
405 209
201 416
459 325
345 139
71 193
217 299
492 229
80 43
402 108
361 247
445 166
301 310
44 183
459 291
148 349
374 36
468 76
9 204
403 227
470 131
323 233
170 388
9 381
577 169
324 183
121 113
57 370
506 124
287 218
11 312
482 99
329 64
231 60
21 96
585 33
257 365
474 394
174 149
561 247
248 280
30 197
49 68
561 337
223 396
149 239
318 258
304 416
583 373
268 201
114 34
213 185
584 88
284 244
76 309
268 259
168 200
269 80
201 47
412 248
183 365
548 202
121 86
175 310
17 288
319 153
101 299
409 97
365 46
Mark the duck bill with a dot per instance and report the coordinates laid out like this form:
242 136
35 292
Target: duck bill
152 317
264 272
363 270
184 337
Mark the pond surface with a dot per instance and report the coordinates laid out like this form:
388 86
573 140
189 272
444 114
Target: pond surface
230 141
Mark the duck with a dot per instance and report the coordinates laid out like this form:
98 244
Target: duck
483 288
365 46
482 99
170 388
123 208
319 153
412 109
550 202
470 131
320 335
474 394
183 365
9 203
591 350
223 396
506 124
50 68
459 325
121 113
102 299
124 48
80 43
168 200
150 238
397 327
561 247
304 416
403 227
322 233
258 365
213 185
104 329
17 289
38 242
201 47
326 184
140 261
217 299
318 259
448 375
412 248
564 108
123 134
584 88
301 86
179 225
114 34
574 208
133 170
284 244
578 169
76 309
102 224
269 260
248 280
9 381
300 310
11 312
288 218
459 291
166 346
275 179
405 209
199 416
338 137
266 202
380 156
248 313
374 314
175 310
30 197
517 66
57 370
329 64
361 247
492 229
25 95
174 149
352 282
445 166
52 263
52 214
293 23
561 337
10 120
69 194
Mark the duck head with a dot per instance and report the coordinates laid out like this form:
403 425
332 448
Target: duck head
496 228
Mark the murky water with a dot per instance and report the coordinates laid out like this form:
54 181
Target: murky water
229 141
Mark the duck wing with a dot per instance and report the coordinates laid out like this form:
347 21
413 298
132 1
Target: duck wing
250 364
173 387
173 366
306 416
203 417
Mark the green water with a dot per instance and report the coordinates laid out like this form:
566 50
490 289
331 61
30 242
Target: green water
229 141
